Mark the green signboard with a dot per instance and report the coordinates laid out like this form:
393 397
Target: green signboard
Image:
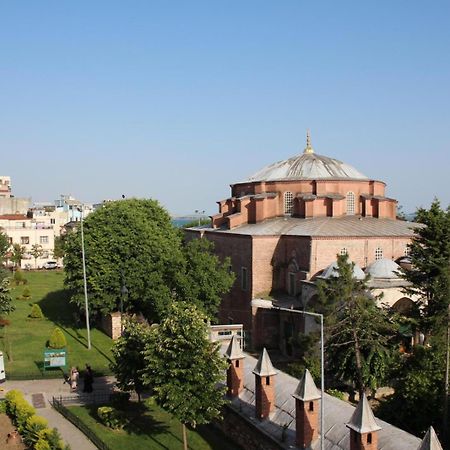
54 358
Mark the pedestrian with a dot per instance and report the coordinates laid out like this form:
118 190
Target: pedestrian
74 376
88 379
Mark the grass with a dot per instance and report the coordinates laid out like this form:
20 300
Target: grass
24 339
152 428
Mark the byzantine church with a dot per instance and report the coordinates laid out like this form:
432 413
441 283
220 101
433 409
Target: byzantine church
283 228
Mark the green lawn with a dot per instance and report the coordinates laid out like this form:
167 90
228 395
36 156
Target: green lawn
152 428
26 338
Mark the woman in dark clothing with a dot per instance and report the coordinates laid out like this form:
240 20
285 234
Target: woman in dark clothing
88 379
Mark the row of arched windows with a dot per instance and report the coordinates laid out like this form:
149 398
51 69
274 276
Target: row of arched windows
289 203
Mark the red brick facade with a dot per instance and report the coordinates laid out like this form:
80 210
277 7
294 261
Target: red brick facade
264 396
235 377
364 441
306 422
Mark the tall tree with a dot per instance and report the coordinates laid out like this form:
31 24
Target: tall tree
184 367
358 332
6 304
430 258
128 353
17 254
58 250
130 237
36 251
4 245
205 277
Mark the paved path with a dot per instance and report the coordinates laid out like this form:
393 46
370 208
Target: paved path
54 388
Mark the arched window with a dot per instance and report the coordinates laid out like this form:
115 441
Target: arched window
378 253
350 203
344 251
288 203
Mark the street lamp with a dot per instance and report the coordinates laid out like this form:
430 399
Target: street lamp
322 378
83 256
200 214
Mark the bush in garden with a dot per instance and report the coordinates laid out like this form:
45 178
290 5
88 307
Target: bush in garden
31 433
50 439
18 409
19 278
57 339
110 417
26 294
36 312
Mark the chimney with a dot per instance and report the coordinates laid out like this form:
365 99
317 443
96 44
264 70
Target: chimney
306 411
264 386
430 441
235 378
363 427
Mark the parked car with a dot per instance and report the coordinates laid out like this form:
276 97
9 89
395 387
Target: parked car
49 265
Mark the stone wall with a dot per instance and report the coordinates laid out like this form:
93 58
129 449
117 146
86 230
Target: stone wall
242 431
111 325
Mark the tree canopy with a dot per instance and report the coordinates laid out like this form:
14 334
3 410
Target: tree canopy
358 332
184 367
133 243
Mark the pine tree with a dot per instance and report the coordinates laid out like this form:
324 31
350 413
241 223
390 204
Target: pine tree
358 332
6 305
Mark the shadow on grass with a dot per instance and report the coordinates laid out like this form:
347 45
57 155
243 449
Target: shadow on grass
141 422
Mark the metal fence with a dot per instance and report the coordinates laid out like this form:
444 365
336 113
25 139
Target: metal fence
59 406
94 398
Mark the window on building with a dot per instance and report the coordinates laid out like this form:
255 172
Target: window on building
52 221
378 253
344 251
291 288
407 251
369 438
244 278
311 406
350 203
267 381
43 239
237 363
288 203
25 240
10 240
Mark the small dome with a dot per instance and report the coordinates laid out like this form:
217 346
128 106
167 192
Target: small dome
383 268
332 271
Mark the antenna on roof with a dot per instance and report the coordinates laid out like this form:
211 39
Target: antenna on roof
308 148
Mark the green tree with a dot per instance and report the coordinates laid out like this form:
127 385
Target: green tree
17 254
128 353
36 251
57 339
130 237
4 246
358 332
205 278
184 367
59 246
430 258
6 304
36 312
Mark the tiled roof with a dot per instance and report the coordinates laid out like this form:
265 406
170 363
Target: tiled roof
337 414
14 217
430 441
347 226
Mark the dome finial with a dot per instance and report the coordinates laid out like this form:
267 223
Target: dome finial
308 148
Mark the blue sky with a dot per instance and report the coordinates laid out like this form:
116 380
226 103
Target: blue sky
176 100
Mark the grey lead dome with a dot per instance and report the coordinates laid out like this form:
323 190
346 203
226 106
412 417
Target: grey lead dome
307 166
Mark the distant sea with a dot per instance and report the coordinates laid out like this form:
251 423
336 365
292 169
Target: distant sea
181 221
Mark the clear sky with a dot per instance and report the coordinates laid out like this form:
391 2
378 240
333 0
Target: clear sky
175 100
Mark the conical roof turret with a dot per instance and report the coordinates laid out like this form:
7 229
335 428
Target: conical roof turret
264 367
234 349
307 389
363 420
430 441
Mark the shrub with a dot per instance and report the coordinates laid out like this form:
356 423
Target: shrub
31 433
26 294
50 439
36 312
18 409
3 407
19 278
57 339
336 393
120 400
110 417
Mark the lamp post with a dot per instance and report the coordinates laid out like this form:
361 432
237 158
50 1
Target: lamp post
200 214
83 256
322 371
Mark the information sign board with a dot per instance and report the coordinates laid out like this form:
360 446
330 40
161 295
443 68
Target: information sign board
54 358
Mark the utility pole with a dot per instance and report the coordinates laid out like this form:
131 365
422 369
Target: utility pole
86 303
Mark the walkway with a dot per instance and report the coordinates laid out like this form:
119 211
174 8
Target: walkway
54 388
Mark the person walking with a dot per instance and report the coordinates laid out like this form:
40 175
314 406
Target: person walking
88 379
74 376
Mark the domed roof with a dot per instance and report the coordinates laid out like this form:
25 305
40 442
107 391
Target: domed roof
383 268
332 271
308 165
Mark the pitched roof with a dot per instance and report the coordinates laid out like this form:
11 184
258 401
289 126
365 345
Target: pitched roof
363 420
430 441
264 366
234 349
307 389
